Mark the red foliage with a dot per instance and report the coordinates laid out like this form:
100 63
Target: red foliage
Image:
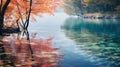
20 8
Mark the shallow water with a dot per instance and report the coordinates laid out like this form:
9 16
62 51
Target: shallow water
83 42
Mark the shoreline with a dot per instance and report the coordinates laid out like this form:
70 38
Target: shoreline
100 16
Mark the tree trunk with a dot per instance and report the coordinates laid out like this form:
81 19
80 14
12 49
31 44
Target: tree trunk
2 13
1 24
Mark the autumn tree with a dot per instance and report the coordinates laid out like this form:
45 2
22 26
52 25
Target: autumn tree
20 12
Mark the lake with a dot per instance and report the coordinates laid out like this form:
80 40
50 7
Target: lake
82 42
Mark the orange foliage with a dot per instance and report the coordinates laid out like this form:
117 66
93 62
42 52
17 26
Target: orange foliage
19 8
43 54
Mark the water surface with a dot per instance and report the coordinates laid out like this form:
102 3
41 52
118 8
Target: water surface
76 42
84 42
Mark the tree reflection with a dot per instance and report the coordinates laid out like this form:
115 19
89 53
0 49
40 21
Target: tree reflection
99 39
23 51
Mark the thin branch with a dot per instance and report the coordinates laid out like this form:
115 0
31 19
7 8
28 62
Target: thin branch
28 17
18 23
20 16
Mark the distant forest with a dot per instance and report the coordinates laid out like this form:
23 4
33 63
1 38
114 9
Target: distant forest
80 7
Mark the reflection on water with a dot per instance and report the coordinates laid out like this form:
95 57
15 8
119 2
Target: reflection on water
99 39
21 52
84 43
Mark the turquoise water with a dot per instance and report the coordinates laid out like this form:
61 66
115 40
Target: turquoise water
76 42
83 42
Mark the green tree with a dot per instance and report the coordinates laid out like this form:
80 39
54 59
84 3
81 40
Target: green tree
73 7
102 5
